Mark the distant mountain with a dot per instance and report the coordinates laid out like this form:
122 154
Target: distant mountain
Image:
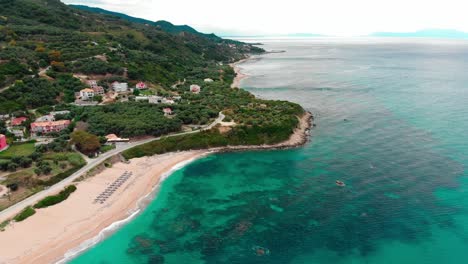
162 24
426 33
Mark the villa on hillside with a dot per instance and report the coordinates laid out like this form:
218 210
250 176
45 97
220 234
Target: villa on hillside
87 94
98 90
195 88
3 142
119 87
49 127
92 83
141 86
18 121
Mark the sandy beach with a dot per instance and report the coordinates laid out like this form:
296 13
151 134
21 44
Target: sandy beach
239 75
49 234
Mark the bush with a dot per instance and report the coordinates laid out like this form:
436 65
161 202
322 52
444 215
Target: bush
57 178
55 199
27 212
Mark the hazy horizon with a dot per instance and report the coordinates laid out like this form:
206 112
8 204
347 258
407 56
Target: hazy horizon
334 17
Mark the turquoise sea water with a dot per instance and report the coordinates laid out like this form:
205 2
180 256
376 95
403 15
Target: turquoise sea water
392 123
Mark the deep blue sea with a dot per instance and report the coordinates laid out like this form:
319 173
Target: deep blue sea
392 123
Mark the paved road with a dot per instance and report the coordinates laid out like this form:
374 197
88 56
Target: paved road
16 208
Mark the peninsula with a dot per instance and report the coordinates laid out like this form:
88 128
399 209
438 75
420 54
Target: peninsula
97 109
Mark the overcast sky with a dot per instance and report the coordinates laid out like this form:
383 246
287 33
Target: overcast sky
329 17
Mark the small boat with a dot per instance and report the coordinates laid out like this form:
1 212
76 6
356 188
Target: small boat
340 183
261 251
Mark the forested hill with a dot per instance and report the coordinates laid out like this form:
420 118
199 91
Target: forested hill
162 24
46 35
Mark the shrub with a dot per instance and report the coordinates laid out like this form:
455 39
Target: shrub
55 199
27 212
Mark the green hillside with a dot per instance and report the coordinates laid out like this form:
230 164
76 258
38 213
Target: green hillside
35 34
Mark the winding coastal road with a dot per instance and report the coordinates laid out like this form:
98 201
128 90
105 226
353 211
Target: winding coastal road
16 208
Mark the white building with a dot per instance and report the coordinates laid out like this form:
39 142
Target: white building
120 87
92 83
46 118
141 98
167 101
19 133
155 99
87 94
64 112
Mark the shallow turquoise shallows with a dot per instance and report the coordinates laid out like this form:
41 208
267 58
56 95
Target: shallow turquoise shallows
392 124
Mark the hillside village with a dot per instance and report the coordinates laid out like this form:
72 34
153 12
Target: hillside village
75 85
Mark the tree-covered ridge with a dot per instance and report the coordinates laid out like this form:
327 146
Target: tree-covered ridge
46 44
37 33
162 24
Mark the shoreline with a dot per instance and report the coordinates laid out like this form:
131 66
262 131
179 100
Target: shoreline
78 223
238 70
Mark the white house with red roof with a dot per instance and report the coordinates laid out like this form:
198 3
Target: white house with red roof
18 121
195 88
141 86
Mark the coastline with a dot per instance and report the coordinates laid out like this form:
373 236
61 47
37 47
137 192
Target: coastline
238 70
80 224
62 232
54 233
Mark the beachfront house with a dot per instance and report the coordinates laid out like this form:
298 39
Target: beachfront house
167 111
18 121
3 142
49 127
141 86
87 94
195 89
120 87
